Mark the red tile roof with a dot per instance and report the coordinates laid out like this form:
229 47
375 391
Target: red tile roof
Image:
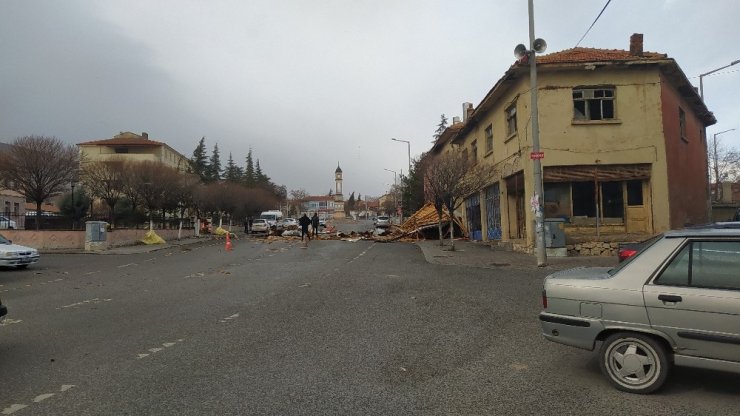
574 55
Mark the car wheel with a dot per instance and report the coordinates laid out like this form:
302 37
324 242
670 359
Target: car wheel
634 363
22 266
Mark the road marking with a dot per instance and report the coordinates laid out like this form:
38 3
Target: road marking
84 302
155 349
168 344
140 356
89 273
42 397
66 387
13 408
7 322
126 265
228 318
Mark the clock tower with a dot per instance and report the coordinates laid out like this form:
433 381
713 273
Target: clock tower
338 197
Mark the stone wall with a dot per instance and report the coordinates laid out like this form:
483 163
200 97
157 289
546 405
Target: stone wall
593 248
57 240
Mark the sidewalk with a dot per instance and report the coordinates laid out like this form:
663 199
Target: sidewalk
133 249
481 255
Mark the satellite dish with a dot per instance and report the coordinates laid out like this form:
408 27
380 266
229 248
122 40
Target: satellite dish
539 45
520 51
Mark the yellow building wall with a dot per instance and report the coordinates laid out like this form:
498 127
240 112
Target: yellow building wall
636 136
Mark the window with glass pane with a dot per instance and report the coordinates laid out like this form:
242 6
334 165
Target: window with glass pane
677 272
511 119
489 138
716 264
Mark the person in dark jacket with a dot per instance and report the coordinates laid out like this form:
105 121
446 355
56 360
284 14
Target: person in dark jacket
315 224
304 222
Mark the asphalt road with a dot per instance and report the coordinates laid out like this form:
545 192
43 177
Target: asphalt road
339 328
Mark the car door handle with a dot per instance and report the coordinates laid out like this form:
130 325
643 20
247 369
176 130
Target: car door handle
670 298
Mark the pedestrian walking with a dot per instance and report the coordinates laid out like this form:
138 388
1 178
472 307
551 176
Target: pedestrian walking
304 222
315 225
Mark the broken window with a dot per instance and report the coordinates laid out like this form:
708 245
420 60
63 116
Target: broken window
634 193
557 200
489 138
474 151
584 199
593 103
612 200
511 119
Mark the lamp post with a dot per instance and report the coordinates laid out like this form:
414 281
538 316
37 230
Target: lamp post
408 143
74 209
535 46
715 159
701 77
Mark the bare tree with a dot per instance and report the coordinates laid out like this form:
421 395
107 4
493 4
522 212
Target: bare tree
724 165
449 178
104 181
40 167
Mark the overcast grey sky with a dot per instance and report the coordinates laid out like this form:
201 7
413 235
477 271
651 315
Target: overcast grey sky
307 84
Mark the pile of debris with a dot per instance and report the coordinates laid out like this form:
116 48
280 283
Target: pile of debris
424 224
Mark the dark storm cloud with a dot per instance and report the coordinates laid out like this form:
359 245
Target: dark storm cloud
68 74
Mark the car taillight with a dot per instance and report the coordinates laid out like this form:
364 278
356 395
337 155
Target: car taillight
626 253
544 299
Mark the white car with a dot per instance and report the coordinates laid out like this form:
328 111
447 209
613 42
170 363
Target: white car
260 225
15 255
6 223
289 222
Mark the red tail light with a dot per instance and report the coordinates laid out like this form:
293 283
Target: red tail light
626 253
544 299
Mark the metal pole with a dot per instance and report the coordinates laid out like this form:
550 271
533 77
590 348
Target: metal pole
539 225
701 77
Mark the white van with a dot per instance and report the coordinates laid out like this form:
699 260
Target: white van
272 217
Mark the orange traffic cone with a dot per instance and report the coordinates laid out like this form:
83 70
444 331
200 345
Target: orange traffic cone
228 241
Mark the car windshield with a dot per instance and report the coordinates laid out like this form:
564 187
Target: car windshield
641 247
4 240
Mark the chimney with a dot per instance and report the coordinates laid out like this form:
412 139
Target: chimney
455 120
636 44
467 110
145 135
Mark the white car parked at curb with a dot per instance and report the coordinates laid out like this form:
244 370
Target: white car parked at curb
16 255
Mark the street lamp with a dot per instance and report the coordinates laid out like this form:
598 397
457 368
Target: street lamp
717 190
408 143
535 46
395 183
74 209
701 77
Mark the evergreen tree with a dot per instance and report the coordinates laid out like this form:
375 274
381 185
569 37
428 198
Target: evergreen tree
441 126
232 173
260 177
350 205
214 165
198 163
249 177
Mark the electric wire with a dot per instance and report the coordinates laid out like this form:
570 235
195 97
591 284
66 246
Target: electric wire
592 24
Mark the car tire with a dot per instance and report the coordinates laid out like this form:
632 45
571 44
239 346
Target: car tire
635 363
22 266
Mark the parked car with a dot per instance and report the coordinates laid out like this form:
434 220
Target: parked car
260 225
382 221
675 302
289 221
6 223
627 250
3 311
16 255
736 217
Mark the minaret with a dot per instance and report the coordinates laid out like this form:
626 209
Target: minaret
338 180
338 197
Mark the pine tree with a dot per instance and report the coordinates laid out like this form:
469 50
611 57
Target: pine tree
232 173
198 163
441 126
350 205
260 177
249 177
214 165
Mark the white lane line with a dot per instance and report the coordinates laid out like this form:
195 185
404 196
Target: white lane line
155 349
66 387
7 322
85 302
140 356
126 265
42 397
89 273
13 408
168 344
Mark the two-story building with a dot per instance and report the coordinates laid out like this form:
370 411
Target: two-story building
132 147
624 143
